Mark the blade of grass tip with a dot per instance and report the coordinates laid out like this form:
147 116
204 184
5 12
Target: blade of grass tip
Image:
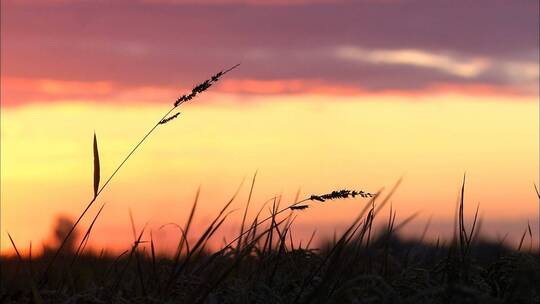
370 225
389 219
311 239
132 224
521 240
190 220
97 174
406 221
478 229
426 228
137 256
388 196
297 196
253 227
502 240
30 263
131 254
183 235
473 226
184 239
291 240
140 272
281 248
15 248
208 233
227 246
538 195
35 293
153 252
530 235
216 227
462 232
246 210
270 235
201 242
455 221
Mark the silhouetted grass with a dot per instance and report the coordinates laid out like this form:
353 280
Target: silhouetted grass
361 265
262 264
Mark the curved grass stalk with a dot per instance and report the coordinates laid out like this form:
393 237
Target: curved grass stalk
164 119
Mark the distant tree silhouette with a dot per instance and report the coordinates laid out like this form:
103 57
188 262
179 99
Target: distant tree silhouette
60 230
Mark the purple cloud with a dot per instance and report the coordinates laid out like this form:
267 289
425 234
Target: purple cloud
179 42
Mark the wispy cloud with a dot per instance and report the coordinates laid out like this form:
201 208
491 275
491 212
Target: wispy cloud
356 46
463 67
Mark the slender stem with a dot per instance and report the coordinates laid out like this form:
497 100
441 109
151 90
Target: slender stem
51 262
195 91
259 223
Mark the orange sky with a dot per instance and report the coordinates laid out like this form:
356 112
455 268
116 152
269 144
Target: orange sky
294 142
339 108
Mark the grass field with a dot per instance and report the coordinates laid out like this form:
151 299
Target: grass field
264 264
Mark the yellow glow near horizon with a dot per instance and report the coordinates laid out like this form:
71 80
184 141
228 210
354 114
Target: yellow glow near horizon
313 142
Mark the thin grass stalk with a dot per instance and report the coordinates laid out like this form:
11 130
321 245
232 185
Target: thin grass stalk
406 221
188 225
389 232
311 238
137 256
521 239
35 292
291 241
213 230
332 258
270 235
245 251
198 89
332 250
153 252
462 232
140 275
177 270
182 235
263 221
131 253
426 228
530 236
281 249
83 242
538 195
246 210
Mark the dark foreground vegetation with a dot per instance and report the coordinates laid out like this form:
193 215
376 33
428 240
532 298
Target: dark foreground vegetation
265 266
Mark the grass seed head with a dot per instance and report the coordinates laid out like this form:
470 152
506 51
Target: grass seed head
203 86
340 194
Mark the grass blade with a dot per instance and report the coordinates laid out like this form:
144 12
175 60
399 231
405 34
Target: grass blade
97 174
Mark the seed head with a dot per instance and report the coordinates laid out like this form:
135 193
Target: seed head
203 86
166 120
340 194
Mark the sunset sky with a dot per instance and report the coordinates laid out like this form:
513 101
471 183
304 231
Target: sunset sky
329 95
